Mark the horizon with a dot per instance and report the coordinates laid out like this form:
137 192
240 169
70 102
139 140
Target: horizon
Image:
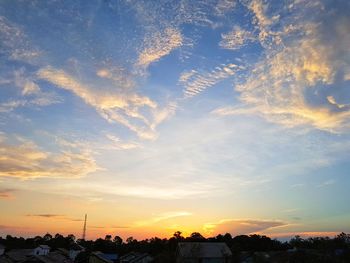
283 237
215 116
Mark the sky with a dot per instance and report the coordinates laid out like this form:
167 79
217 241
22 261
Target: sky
153 117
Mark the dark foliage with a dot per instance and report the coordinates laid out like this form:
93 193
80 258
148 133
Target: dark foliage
315 249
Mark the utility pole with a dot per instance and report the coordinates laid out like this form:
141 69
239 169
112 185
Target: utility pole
84 230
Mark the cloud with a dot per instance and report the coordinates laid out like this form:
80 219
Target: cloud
293 85
236 38
110 227
120 145
224 6
159 44
121 107
304 234
14 42
164 113
195 82
30 92
46 215
139 189
163 217
242 226
326 183
333 101
7 193
259 9
120 227
11 105
168 215
118 75
55 216
26 160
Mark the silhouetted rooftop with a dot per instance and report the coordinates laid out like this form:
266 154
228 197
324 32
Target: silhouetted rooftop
203 250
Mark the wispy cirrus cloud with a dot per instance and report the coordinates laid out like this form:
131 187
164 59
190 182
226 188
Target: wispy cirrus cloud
119 75
117 143
242 226
121 107
46 215
110 227
29 95
163 217
169 215
326 183
55 217
279 86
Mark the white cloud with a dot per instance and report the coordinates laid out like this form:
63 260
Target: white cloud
195 82
326 183
224 6
11 105
15 43
122 107
236 38
26 160
30 93
118 144
278 87
118 75
158 45
262 20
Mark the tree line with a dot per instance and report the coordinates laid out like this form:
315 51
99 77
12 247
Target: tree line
163 249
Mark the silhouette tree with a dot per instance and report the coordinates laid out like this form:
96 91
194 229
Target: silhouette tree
71 237
130 240
196 236
47 237
118 240
177 235
296 242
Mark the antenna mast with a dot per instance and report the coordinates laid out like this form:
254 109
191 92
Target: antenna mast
84 230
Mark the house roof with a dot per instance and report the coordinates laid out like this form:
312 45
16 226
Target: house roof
134 257
53 257
44 246
4 259
108 258
203 250
63 251
75 246
19 254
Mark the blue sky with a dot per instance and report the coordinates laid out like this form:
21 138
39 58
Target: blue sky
214 116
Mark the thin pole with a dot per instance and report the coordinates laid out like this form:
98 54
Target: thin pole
84 230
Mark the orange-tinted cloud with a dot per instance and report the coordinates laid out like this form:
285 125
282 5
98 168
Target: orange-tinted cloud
158 45
24 159
278 87
55 216
7 193
242 226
